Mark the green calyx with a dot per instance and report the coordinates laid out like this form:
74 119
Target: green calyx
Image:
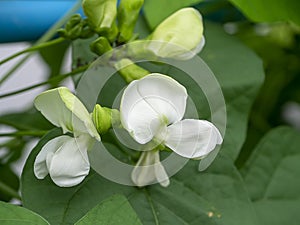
130 71
128 13
104 118
100 46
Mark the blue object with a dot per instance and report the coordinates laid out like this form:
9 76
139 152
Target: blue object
25 20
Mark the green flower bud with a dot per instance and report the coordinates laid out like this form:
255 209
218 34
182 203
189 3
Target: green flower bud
100 46
128 13
104 118
130 71
179 36
76 28
101 14
86 31
73 21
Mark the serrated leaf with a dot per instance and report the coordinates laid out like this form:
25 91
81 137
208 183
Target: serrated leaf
272 177
111 211
16 215
214 197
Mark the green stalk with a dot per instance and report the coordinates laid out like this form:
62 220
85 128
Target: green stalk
9 191
55 79
32 133
33 48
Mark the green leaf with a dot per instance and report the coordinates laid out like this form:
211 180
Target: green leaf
114 210
272 177
16 215
54 57
216 197
240 74
157 10
10 180
270 10
28 120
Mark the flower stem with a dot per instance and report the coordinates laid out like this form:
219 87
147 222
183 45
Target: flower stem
34 48
33 133
55 79
9 191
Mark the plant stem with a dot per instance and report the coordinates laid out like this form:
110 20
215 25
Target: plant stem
8 190
57 78
33 133
33 48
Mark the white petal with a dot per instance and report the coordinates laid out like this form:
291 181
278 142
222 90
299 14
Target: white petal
193 138
178 35
65 110
190 54
151 102
70 165
40 167
149 170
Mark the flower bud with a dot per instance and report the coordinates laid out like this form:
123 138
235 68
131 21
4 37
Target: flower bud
100 46
130 71
104 118
128 13
101 14
179 36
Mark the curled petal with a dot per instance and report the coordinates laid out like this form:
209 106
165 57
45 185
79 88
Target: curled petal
40 167
190 54
65 110
69 165
150 103
149 170
179 35
193 138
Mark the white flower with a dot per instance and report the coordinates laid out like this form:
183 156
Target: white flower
179 36
64 157
149 170
153 107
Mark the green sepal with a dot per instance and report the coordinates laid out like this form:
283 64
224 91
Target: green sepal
100 46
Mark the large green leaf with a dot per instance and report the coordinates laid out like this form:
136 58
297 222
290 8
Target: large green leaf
270 10
16 215
111 211
240 74
215 197
272 177
157 10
